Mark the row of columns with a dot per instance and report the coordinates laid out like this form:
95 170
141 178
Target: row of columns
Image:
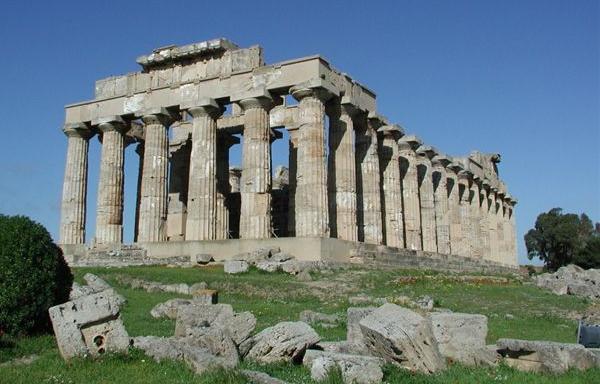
372 183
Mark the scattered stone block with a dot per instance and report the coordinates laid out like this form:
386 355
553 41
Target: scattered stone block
304 276
353 332
461 338
240 326
217 341
286 341
89 325
203 258
201 315
425 303
355 369
546 356
256 377
96 283
268 266
205 296
312 317
280 257
236 266
78 290
403 337
169 308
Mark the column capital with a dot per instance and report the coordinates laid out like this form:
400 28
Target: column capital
440 160
111 123
204 107
465 175
349 106
158 115
426 151
409 142
391 130
81 130
318 88
455 167
254 98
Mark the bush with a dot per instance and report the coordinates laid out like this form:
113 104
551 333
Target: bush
33 275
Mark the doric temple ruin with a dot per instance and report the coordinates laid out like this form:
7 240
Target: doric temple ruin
356 184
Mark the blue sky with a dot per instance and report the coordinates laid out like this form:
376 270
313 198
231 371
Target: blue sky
521 78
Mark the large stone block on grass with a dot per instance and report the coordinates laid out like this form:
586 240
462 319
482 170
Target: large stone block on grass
199 316
285 341
354 316
169 308
546 356
236 266
355 369
403 337
90 325
461 337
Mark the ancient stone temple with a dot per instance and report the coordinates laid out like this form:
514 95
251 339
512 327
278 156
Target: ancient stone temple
356 184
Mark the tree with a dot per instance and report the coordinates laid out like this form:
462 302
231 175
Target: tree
559 239
33 275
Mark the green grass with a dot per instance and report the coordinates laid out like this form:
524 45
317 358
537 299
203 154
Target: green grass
534 314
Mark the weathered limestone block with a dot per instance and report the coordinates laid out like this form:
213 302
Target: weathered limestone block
153 205
197 315
268 266
286 341
236 266
240 326
546 356
217 341
342 170
323 319
402 336
205 296
255 217
311 200
73 210
410 191
202 187
392 191
89 325
461 337
256 377
353 332
109 218
169 308
440 195
355 369
370 219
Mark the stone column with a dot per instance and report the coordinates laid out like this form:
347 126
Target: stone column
454 208
293 159
202 187
369 215
225 141
483 219
153 208
109 219
72 219
392 191
179 174
410 191
474 213
255 216
500 227
139 149
426 198
440 196
312 217
492 218
464 191
342 170
513 227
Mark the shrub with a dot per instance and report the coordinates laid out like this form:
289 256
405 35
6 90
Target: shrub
33 275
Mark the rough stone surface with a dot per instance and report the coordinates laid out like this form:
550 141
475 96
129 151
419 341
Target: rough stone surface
355 369
402 336
236 266
216 340
281 257
202 315
353 332
461 337
312 317
240 326
571 280
169 308
205 296
546 356
268 266
203 258
153 286
256 377
286 341
89 325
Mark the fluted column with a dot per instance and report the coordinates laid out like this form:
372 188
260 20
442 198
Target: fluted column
483 220
454 208
293 167
153 207
410 191
476 242
392 191
493 227
508 256
72 219
312 217
368 185
225 141
513 227
500 227
440 195
109 219
255 216
464 185
426 198
201 221
139 149
342 171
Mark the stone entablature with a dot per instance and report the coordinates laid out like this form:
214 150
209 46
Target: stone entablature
353 175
